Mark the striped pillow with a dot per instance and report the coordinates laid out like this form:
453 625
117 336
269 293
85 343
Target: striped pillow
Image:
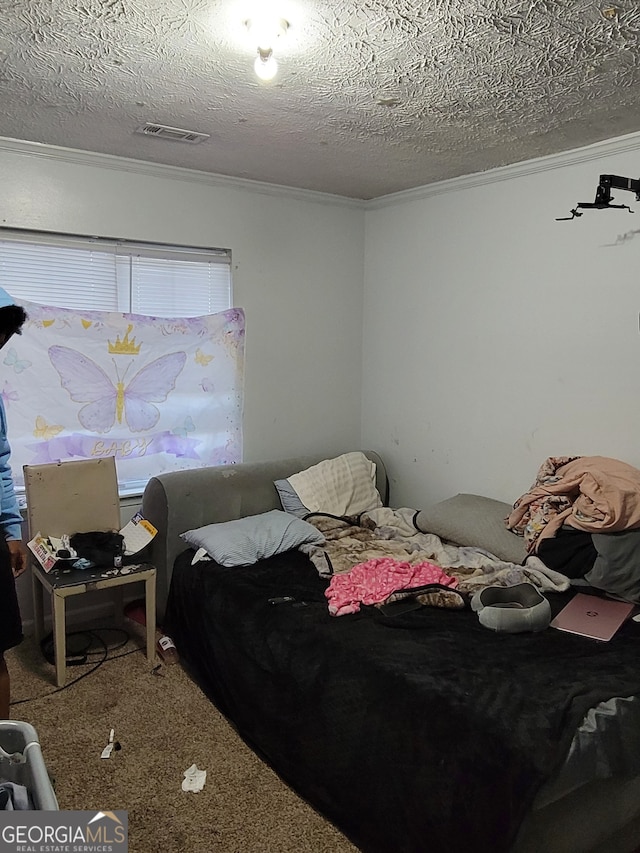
246 540
342 486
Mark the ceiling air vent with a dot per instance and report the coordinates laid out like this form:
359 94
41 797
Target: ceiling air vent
177 134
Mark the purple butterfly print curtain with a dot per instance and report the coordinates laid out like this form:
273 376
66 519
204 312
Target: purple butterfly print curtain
158 394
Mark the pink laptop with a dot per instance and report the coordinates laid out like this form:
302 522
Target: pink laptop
592 616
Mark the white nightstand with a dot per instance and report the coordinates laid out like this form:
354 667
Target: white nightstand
62 585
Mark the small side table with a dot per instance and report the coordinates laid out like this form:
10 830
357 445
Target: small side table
62 584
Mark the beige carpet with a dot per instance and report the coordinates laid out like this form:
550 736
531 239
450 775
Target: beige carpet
164 724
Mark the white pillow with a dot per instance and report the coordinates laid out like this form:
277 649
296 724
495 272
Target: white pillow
345 485
246 540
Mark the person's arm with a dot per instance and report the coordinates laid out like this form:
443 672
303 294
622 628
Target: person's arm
10 515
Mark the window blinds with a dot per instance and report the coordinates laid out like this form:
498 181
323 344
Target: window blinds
61 275
104 275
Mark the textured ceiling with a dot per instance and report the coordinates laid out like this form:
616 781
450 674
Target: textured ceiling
372 97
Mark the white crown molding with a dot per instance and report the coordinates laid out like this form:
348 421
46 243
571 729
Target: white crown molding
608 148
176 173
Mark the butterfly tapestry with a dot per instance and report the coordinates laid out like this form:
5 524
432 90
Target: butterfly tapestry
202 358
45 431
187 427
18 364
9 394
107 402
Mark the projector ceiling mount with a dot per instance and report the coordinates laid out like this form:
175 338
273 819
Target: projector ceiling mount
603 195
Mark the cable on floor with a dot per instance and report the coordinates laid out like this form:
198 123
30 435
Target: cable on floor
79 649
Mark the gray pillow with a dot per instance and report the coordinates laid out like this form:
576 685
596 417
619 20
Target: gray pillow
246 540
289 499
477 521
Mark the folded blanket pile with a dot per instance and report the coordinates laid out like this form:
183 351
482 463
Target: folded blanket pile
591 493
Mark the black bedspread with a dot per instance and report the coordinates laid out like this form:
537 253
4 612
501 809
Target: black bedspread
414 733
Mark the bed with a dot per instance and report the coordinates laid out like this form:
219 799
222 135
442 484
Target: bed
414 731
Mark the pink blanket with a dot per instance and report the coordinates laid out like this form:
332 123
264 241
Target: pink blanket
375 580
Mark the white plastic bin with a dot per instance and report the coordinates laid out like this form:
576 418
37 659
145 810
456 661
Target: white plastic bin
26 766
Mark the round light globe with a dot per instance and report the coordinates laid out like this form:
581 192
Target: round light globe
266 69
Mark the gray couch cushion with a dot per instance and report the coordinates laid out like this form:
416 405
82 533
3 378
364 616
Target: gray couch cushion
474 520
616 569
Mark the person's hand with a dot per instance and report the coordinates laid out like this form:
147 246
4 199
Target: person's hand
19 556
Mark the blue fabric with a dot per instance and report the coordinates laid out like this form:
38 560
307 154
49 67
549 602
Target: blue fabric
6 299
10 517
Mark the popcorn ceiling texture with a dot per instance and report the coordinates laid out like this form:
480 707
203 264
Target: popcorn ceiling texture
372 97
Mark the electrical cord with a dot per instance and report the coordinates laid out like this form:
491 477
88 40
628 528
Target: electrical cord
82 658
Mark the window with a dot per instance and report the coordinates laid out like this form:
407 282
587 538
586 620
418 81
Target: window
98 369
111 275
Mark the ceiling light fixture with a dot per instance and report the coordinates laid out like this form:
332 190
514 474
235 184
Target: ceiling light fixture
265 30
265 65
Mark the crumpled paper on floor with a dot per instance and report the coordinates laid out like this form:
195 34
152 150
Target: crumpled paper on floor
194 779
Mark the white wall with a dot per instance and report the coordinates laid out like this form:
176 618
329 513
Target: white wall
297 272
494 335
